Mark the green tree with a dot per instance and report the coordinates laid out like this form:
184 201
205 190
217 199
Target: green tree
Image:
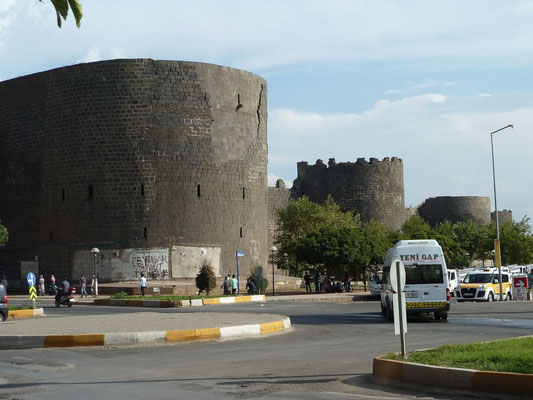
4 236
416 228
338 249
300 218
258 275
516 242
62 7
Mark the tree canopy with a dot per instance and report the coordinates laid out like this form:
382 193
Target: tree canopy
3 234
313 235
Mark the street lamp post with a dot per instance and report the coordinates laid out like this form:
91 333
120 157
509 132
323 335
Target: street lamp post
95 252
497 254
273 249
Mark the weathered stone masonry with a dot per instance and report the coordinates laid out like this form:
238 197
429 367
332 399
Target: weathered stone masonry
372 188
134 154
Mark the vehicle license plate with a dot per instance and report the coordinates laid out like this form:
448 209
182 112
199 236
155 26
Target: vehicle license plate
468 294
411 295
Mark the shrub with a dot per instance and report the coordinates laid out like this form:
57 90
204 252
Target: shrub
257 274
206 279
120 295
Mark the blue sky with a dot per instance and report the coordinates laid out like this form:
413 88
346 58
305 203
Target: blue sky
426 81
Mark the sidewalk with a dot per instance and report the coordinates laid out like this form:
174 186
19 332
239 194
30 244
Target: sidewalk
138 328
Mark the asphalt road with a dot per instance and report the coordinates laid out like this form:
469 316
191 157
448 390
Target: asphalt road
327 355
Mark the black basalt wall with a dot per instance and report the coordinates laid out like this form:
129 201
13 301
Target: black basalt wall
133 154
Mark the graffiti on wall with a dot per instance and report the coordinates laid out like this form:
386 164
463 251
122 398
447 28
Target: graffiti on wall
152 263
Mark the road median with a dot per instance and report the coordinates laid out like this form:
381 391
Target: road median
208 301
436 377
145 328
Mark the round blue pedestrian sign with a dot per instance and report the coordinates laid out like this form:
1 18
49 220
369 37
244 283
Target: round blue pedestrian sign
31 279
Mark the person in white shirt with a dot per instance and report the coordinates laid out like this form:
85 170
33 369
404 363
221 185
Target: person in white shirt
142 284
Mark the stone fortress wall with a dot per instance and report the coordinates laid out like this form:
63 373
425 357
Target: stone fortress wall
160 164
503 216
456 208
373 188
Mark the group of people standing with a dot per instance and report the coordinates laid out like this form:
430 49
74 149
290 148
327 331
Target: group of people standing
53 286
324 284
230 286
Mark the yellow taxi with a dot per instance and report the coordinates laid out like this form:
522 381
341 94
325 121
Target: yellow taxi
484 285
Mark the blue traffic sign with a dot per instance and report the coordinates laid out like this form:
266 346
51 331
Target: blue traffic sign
31 279
240 253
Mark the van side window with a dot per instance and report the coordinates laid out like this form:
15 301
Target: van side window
505 278
385 279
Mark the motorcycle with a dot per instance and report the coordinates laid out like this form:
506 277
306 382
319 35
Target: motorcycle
65 298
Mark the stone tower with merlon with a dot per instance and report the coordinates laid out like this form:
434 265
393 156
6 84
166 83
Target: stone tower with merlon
372 188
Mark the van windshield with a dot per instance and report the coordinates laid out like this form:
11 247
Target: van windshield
420 274
478 278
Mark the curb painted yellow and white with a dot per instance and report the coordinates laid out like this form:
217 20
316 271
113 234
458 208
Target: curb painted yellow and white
453 378
145 338
180 303
37 312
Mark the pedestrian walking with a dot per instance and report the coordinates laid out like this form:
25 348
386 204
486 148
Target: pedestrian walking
317 282
94 286
307 280
142 284
83 283
226 285
53 287
4 282
41 285
234 284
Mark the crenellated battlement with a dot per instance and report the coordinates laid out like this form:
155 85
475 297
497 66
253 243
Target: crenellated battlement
373 188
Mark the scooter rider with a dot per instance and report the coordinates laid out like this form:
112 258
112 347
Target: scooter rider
63 290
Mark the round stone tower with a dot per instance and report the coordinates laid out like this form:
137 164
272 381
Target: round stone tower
373 188
162 165
456 208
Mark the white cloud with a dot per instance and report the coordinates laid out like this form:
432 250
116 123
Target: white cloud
286 33
95 54
272 179
446 151
116 52
91 56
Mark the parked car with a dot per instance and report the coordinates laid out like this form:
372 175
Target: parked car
4 312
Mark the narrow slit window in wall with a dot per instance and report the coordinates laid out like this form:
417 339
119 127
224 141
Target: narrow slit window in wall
63 194
91 194
243 192
142 189
51 236
198 193
145 232
241 231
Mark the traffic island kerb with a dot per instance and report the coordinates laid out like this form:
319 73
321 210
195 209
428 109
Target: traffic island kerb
435 377
179 303
30 313
144 338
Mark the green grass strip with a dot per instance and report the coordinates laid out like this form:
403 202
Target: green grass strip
507 355
15 308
